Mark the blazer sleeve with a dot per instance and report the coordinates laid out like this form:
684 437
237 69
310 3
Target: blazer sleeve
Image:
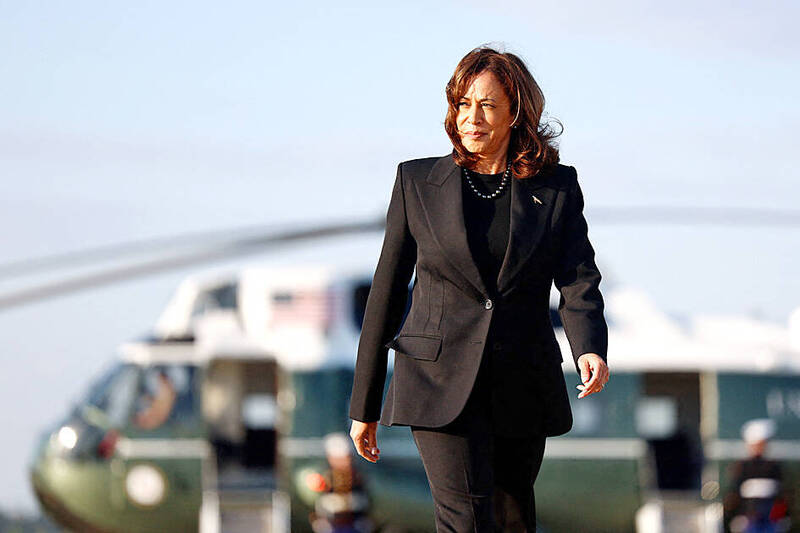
385 306
578 280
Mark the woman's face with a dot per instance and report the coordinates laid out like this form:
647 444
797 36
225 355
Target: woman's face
484 117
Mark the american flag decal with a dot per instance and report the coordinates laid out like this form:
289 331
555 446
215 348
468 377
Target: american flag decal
313 307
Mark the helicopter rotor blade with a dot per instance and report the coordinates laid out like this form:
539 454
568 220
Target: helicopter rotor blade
680 215
224 250
228 244
26 267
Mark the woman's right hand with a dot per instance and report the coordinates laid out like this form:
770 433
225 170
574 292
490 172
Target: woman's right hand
363 435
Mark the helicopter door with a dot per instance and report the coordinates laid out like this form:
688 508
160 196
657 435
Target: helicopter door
240 409
241 413
668 417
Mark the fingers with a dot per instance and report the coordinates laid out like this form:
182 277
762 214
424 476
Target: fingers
590 387
584 366
598 380
372 440
364 438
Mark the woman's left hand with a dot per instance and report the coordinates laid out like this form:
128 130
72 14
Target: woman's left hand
594 374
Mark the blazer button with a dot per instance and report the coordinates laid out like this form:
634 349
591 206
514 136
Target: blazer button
488 304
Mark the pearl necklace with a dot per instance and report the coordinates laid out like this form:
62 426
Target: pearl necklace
499 188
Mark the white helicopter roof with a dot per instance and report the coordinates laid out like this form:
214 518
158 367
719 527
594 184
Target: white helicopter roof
149 351
218 335
175 321
642 337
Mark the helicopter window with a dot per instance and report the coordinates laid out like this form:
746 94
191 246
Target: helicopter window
656 417
587 418
223 297
113 393
165 394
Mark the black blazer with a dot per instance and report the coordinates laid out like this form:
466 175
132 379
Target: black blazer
439 347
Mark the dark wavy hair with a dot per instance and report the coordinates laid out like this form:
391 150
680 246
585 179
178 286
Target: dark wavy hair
532 145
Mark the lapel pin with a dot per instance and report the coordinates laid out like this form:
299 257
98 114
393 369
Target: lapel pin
536 200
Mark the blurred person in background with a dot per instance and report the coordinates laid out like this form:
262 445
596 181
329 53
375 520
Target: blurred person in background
343 504
157 400
755 501
477 374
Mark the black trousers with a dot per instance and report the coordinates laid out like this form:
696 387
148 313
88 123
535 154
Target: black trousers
481 480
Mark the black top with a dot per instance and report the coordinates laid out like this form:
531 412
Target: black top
487 223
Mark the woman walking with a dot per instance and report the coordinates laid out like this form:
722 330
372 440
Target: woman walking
477 373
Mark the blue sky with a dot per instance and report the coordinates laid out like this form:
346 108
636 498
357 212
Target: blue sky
129 121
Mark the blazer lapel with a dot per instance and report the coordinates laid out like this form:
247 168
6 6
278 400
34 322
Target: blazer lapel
530 209
443 206
442 202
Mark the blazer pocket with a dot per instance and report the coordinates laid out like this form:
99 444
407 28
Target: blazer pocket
425 347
